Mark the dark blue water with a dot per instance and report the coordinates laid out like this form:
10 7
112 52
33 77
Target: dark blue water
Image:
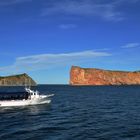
76 113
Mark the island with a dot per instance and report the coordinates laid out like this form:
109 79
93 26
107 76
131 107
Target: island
92 76
17 80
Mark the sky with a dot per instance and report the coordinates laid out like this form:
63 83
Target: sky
44 38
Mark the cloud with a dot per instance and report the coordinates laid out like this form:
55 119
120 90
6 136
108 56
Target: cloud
108 10
67 26
45 61
131 45
83 8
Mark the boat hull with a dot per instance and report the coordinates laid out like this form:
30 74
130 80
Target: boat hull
24 102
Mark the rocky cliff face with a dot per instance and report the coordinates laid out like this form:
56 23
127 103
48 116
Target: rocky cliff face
17 80
91 76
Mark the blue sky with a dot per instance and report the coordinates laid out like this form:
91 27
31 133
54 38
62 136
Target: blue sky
44 38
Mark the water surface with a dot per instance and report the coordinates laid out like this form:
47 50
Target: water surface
76 113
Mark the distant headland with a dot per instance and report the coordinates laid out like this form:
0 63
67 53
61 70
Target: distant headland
81 76
17 80
92 76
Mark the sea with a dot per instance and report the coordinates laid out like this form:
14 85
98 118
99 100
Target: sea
75 113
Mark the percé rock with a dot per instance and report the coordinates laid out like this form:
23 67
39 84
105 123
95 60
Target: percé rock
17 80
92 76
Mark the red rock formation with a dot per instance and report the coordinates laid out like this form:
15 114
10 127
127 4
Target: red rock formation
91 76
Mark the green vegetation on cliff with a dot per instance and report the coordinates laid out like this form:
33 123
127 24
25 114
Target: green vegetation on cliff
17 80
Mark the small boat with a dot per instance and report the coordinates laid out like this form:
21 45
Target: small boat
29 97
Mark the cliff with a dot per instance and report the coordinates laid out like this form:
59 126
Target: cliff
17 80
91 76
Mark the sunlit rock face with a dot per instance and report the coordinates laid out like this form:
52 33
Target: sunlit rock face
17 80
92 76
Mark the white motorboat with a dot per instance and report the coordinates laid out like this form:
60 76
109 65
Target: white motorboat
29 97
